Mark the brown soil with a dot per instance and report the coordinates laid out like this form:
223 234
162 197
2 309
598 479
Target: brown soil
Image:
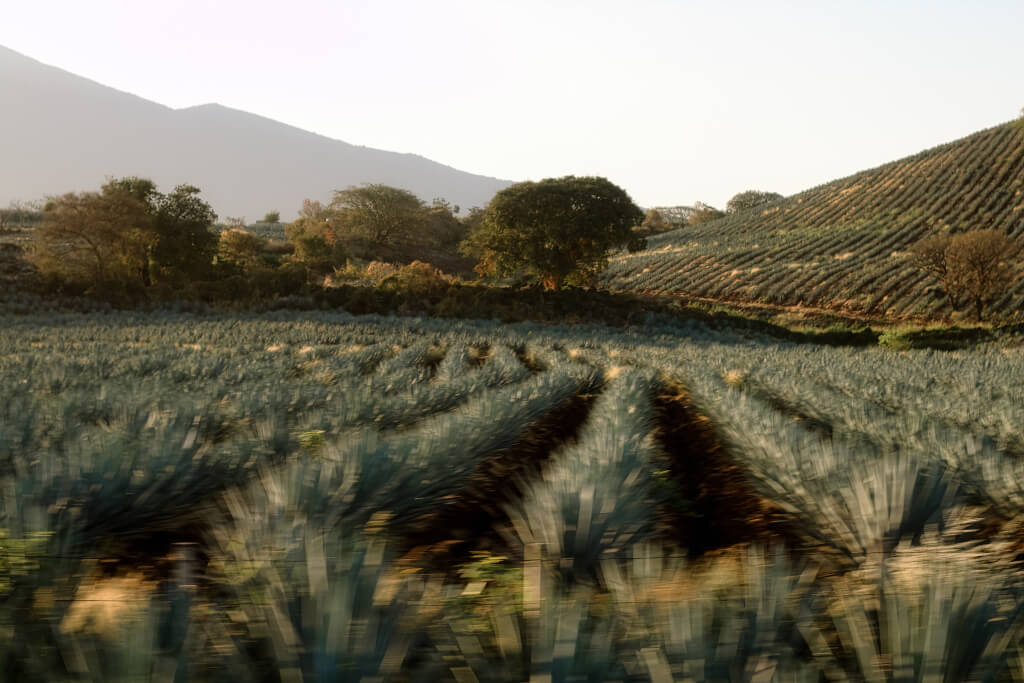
712 505
467 521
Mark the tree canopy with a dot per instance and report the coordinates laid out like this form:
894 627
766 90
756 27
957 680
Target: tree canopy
377 213
749 200
185 244
315 237
243 250
558 230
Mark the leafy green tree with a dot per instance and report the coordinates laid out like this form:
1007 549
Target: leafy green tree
704 213
377 213
186 242
272 217
749 200
142 189
559 230
182 242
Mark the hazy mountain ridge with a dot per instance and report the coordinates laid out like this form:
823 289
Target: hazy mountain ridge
841 245
60 132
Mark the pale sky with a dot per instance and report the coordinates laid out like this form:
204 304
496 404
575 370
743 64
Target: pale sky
674 101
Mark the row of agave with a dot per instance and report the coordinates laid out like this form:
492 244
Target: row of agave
300 573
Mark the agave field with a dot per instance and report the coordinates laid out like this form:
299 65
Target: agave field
311 496
842 245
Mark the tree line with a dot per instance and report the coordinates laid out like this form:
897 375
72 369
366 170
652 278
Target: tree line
130 241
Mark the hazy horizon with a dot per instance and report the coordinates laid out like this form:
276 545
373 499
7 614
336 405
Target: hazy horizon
675 104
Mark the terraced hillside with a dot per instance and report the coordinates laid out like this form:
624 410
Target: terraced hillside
841 245
318 497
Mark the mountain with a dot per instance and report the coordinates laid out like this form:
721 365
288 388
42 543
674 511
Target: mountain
842 245
60 132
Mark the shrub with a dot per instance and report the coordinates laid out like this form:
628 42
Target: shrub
418 278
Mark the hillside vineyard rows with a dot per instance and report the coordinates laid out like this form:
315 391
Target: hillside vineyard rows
842 245
316 496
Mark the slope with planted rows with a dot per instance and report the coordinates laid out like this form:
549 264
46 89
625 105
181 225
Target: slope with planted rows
842 245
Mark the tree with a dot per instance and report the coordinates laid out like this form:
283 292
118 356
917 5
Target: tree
312 208
137 197
977 265
315 238
272 217
559 230
241 248
473 218
94 240
186 242
749 200
654 222
181 241
986 259
929 255
377 213
704 213
441 226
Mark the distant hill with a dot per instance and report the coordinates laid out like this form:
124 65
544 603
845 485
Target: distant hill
60 132
841 245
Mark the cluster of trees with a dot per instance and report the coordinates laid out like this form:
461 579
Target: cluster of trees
360 221
556 231
130 238
19 215
975 267
127 235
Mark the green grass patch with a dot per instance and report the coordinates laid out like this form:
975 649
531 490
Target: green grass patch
940 338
